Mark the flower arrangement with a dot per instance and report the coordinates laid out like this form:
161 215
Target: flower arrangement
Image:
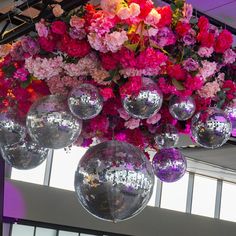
113 46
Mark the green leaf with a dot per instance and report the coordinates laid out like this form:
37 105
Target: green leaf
177 84
132 46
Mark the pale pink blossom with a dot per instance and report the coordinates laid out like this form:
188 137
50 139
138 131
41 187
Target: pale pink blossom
130 72
57 10
220 78
132 123
123 114
124 13
229 56
208 69
5 49
134 9
44 68
115 40
41 29
205 51
97 42
153 17
77 22
209 90
110 6
154 119
187 12
100 75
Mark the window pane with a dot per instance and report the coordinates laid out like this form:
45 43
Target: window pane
66 233
204 195
45 232
228 206
65 162
22 230
174 195
35 175
81 234
153 197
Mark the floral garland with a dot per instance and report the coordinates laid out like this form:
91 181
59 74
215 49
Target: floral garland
112 46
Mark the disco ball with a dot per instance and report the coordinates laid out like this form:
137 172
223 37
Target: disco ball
182 108
231 112
211 128
85 102
167 136
146 103
114 181
50 123
11 131
169 165
24 155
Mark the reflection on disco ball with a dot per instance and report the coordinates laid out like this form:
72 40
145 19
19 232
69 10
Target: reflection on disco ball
146 103
50 123
167 136
182 108
24 155
231 112
211 128
169 165
114 181
11 131
85 102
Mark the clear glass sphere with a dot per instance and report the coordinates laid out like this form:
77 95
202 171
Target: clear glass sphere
146 103
169 165
182 108
85 102
11 131
211 128
51 124
24 155
167 136
114 181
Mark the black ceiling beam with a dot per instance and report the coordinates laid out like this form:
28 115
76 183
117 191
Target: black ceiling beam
26 28
21 7
212 20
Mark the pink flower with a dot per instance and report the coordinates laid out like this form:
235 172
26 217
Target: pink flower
41 29
115 40
21 74
134 9
187 12
77 22
205 51
190 64
193 83
124 13
209 90
57 10
110 6
132 87
154 119
99 124
123 114
229 56
208 69
132 123
153 18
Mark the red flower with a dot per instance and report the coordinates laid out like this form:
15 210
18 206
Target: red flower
132 87
230 89
59 27
203 23
47 44
107 93
224 41
166 16
78 48
182 28
206 39
109 61
176 72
